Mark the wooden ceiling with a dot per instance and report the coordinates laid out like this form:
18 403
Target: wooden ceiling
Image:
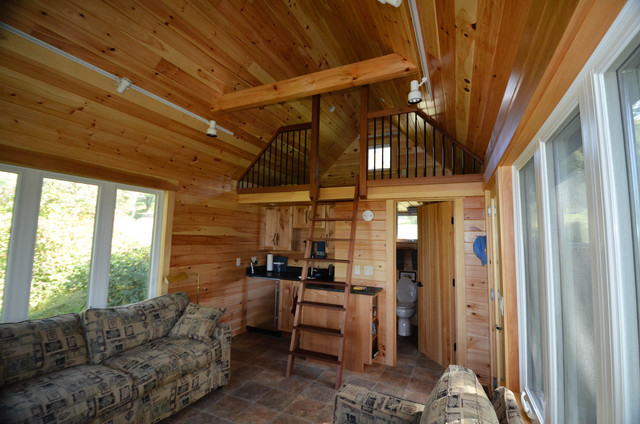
485 57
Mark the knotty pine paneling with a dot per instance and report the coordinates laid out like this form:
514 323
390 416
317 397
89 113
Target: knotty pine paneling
370 250
77 125
476 292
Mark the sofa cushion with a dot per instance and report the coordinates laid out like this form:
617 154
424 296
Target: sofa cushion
355 404
111 331
197 322
458 397
37 347
162 361
506 406
72 395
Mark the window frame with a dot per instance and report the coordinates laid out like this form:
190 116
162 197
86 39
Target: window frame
24 226
595 92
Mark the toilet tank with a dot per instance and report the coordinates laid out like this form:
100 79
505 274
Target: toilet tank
406 291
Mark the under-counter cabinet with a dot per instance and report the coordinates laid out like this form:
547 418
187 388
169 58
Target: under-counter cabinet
361 344
276 228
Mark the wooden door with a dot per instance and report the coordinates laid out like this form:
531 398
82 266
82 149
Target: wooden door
436 270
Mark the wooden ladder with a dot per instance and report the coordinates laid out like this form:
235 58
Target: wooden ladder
298 326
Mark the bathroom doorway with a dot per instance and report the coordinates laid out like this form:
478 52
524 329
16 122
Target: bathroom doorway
407 267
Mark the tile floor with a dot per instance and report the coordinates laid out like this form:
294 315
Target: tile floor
259 392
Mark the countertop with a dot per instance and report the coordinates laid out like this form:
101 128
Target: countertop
293 274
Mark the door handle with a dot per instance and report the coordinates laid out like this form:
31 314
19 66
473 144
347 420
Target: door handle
498 327
420 284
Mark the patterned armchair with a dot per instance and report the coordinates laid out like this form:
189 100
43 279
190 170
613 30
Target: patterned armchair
457 397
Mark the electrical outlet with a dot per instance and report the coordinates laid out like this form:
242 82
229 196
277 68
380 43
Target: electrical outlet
356 269
368 270
238 261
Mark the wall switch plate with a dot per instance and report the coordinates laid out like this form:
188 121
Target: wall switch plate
238 261
368 270
356 269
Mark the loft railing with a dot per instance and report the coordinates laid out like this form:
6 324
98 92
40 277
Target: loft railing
284 161
405 143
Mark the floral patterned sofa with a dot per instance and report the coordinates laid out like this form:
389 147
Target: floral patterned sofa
137 363
457 397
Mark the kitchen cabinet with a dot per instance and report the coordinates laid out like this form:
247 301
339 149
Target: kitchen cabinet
262 304
276 228
361 344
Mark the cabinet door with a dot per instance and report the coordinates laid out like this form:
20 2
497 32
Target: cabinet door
301 216
287 291
283 238
276 228
270 223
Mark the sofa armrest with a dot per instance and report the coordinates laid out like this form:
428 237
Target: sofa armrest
506 407
222 332
356 404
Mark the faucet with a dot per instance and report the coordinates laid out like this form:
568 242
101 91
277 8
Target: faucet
312 270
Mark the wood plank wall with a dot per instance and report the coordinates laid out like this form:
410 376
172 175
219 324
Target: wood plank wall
476 293
53 120
370 250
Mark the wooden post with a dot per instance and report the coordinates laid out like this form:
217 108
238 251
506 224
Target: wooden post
508 271
315 141
364 134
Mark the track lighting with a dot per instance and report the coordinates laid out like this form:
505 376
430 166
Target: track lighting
212 131
415 95
123 85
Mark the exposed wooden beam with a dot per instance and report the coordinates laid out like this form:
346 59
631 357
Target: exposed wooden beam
353 75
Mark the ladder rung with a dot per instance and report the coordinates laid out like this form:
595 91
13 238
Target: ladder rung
325 283
330 239
319 356
322 305
320 330
337 261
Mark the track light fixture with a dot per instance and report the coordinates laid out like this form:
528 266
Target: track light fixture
212 131
415 95
123 85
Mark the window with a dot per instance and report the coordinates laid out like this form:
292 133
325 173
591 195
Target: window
407 226
629 86
577 205
534 373
379 157
8 182
68 243
570 280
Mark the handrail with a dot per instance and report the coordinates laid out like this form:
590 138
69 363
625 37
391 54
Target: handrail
273 163
405 142
409 109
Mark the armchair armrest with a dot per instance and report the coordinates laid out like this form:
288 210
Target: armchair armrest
356 404
506 407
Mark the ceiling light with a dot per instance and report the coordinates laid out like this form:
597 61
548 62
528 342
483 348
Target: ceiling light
395 3
123 85
212 131
415 95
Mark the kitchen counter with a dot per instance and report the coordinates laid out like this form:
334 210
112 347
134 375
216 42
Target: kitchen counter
293 274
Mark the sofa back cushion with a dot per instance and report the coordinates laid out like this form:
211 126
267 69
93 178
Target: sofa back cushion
32 348
113 330
458 397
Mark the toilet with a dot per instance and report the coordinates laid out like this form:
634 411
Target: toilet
406 297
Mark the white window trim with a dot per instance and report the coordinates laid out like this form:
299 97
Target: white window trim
612 265
23 239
